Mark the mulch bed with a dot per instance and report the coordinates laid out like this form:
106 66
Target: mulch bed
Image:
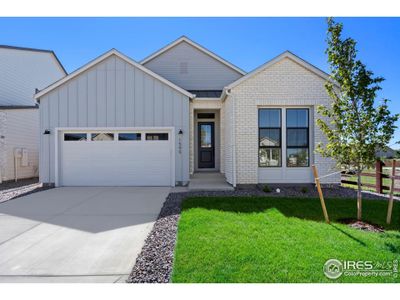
12 184
309 190
365 226
155 262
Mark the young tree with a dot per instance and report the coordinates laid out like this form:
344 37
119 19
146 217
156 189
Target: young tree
357 127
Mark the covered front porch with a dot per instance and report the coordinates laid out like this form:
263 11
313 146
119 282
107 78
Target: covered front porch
206 136
206 145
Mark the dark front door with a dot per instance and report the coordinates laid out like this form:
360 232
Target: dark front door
206 145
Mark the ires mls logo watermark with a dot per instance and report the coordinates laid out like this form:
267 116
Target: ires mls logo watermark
333 268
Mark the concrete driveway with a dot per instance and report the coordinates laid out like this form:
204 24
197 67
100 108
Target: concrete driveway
76 234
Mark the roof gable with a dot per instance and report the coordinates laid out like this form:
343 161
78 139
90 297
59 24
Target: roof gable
284 55
36 50
102 58
23 70
200 48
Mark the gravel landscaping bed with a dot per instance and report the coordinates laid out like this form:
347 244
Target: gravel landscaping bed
154 263
9 194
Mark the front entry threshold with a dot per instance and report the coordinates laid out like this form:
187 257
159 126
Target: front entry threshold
209 181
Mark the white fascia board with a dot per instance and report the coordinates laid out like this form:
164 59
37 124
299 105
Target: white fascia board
89 129
198 47
102 58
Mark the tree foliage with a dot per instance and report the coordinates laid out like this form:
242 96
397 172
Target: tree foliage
355 126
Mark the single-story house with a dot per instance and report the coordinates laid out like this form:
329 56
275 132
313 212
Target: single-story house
22 70
179 111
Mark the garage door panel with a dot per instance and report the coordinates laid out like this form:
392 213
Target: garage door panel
116 163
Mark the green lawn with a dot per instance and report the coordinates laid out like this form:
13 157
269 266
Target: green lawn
265 239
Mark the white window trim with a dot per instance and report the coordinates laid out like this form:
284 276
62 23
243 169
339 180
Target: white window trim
283 135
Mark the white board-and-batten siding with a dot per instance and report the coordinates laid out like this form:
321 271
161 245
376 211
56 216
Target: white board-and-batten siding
113 93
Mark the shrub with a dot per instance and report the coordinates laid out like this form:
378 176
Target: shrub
266 189
304 189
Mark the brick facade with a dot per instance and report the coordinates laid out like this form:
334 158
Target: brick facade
285 83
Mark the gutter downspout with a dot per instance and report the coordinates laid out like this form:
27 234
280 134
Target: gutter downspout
228 93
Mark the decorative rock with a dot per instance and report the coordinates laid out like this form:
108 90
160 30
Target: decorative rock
7 195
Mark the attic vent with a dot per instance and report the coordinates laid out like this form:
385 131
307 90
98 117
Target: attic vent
183 68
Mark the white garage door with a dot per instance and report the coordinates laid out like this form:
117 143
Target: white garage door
116 158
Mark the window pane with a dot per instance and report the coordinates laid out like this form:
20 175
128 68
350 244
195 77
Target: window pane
129 136
205 136
269 157
270 137
102 136
157 136
297 137
270 117
205 116
75 137
297 117
297 157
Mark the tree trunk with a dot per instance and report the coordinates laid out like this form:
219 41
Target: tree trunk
359 197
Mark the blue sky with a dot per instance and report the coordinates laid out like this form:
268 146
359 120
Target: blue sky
246 42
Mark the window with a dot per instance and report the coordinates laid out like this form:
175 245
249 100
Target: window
206 135
297 137
75 136
129 136
205 116
102 136
269 133
157 136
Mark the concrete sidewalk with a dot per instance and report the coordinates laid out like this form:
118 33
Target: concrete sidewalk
76 234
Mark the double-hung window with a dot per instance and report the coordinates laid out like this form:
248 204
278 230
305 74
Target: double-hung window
297 137
269 137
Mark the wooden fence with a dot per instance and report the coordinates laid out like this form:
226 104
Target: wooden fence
379 187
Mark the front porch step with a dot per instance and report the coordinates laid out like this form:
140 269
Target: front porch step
209 181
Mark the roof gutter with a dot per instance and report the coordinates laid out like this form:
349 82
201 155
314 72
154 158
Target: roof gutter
225 93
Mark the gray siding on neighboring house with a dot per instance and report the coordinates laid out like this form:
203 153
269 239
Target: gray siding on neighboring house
113 93
203 71
22 71
19 128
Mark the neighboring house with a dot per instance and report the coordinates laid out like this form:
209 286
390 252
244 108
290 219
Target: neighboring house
22 70
182 110
387 153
